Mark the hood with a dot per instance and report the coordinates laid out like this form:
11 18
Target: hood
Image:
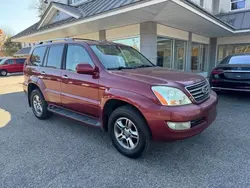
159 75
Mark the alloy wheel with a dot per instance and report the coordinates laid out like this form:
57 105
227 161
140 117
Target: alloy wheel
37 104
126 133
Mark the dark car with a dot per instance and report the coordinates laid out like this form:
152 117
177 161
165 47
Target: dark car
115 88
232 74
11 65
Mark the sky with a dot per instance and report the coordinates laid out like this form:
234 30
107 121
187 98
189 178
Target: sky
16 15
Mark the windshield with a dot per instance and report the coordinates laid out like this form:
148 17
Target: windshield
2 61
120 57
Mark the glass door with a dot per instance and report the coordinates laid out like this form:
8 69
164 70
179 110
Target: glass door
164 52
198 57
179 55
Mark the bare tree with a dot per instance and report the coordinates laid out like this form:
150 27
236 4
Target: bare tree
39 6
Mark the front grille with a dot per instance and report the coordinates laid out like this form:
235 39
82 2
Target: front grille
200 91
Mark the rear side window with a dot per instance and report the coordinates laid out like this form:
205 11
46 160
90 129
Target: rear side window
76 55
20 61
38 56
10 61
55 57
244 59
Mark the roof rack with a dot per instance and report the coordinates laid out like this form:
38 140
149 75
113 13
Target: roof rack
53 40
63 39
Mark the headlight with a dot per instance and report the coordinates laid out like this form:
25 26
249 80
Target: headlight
170 96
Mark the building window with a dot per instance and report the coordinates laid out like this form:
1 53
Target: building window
238 4
76 1
226 50
179 55
133 42
202 3
198 61
171 53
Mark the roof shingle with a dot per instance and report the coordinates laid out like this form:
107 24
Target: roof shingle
87 9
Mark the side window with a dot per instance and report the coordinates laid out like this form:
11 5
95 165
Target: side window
10 61
37 56
55 57
20 61
76 55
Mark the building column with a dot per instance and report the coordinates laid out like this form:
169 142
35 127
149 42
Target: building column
189 53
148 40
212 54
102 35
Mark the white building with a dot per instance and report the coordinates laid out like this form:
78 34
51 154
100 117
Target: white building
188 35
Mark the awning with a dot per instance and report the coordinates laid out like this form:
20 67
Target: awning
180 14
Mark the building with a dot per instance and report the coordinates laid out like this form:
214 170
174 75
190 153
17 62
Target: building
188 35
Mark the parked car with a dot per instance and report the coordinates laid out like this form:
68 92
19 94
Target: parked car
11 65
232 74
115 88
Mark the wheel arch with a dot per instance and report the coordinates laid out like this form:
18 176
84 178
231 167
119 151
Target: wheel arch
31 86
114 103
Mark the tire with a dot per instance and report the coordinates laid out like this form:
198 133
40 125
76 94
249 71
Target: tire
3 73
120 116
39 105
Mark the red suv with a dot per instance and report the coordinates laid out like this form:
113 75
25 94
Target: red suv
115 88
11 65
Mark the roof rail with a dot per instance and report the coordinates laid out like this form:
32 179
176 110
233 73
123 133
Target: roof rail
57 39
82 39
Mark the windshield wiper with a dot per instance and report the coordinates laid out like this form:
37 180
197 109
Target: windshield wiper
145 66
119 68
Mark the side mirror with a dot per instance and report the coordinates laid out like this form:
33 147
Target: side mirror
84 68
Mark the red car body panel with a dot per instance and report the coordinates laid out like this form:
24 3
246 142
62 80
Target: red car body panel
88 94
14 67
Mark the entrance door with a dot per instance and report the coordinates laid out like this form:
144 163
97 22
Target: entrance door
198 57
165 57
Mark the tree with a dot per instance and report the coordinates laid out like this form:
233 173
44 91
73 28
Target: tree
39 6
10 48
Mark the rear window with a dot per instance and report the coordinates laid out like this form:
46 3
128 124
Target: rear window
38 56
244 59
20 61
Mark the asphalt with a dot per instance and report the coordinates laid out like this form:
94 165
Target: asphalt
63 153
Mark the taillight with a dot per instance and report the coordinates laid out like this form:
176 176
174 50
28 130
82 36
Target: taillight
217 71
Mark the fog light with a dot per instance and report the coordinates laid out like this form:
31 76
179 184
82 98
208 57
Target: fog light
179 125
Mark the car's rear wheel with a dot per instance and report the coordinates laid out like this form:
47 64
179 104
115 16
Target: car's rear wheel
129 132
39 105
3 72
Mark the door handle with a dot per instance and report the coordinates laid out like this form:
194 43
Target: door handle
65 77
43 72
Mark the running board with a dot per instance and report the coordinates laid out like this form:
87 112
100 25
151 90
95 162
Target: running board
74 115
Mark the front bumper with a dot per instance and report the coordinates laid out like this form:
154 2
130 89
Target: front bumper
159 116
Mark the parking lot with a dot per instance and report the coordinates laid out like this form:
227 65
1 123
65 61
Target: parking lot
63 153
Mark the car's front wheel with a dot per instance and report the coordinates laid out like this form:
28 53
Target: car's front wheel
39 105
129 131
3 72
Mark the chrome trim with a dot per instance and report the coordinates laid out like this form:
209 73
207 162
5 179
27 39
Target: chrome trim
238 71
230 89
199 85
